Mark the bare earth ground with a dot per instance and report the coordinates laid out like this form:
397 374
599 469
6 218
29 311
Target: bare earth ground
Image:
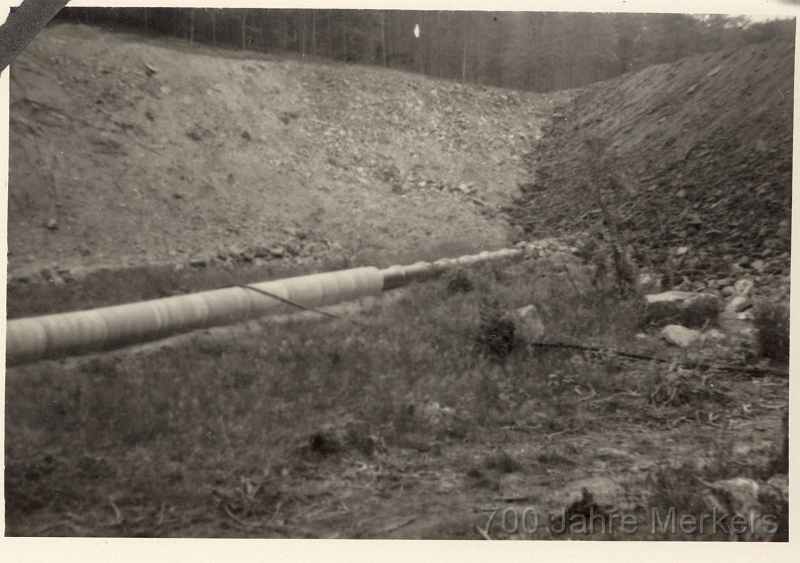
389 422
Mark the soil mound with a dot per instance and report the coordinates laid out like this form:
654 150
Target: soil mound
700 157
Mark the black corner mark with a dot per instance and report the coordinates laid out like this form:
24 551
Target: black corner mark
22 25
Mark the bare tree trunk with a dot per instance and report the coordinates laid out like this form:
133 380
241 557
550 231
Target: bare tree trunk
420 51
244 32
303 33
191 26
464 58
214 26
330 34
285 34
383 37
314 33
389 36
344 35
263 37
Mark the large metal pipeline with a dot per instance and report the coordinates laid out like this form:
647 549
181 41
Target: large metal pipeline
53 336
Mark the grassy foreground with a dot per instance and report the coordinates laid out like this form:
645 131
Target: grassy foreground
400 422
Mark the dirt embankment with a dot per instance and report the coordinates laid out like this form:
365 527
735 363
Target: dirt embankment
701 151
128 151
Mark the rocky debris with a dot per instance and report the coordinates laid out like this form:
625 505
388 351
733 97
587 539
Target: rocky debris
686 308
743 287
151 69
679 335
549 248
687 217
529 326
713 335
198 263
737 304
433 412
52 224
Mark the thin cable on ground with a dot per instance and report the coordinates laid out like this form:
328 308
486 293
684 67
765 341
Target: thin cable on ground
287 301
687 365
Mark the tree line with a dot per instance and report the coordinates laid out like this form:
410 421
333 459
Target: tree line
523 50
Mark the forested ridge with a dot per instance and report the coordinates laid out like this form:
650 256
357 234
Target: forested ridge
522 50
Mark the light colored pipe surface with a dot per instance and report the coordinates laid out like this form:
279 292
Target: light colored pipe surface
53 336
397 276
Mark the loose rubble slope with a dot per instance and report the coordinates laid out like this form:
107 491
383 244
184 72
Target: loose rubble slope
128 150
702 152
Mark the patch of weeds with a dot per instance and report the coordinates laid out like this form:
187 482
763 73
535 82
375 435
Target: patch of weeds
460 283
496 334
684 388
223 408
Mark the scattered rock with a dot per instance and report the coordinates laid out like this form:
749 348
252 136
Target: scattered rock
713 335
198 263
743 287
738 304
433 412
52 224
679 335
529 325
66 275
198 133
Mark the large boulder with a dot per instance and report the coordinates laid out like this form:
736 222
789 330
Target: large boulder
686 308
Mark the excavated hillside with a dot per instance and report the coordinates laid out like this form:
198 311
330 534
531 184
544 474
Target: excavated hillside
128 150
692 161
